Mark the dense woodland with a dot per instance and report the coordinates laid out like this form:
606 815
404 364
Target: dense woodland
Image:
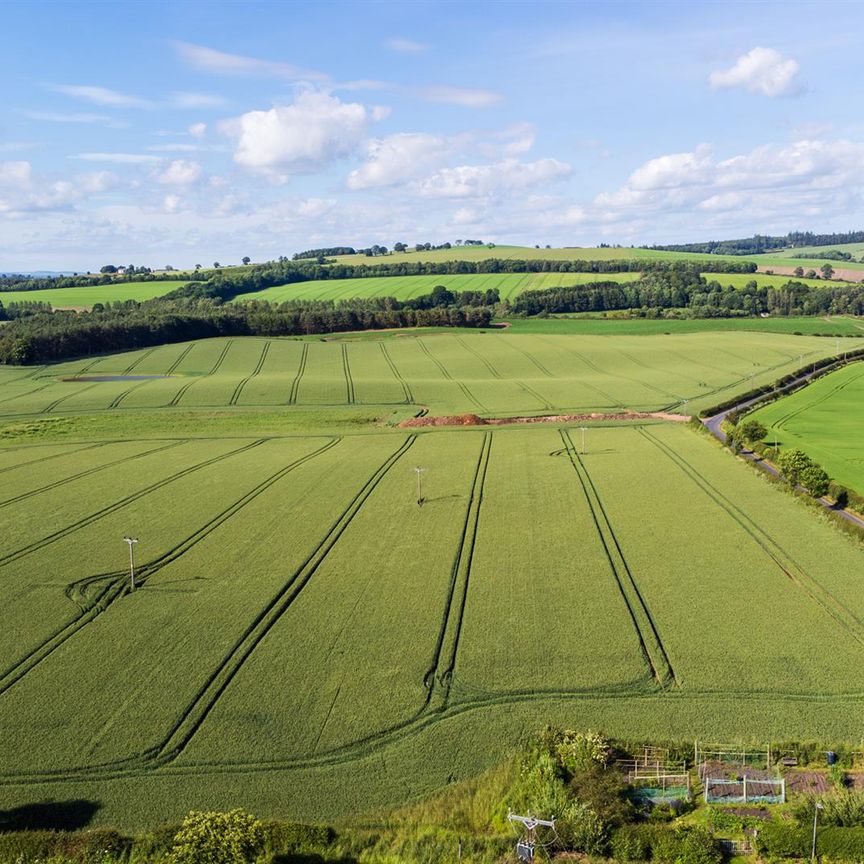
684 288
43 337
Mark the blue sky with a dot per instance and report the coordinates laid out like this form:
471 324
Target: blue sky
179 133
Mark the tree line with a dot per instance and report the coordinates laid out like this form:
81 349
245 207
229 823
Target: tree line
44 337
764 243
694 293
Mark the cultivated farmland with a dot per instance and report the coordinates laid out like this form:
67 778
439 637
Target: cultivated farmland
825 421
491 373
87 295
302 629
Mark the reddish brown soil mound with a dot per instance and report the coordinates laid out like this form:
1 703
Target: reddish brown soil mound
474 420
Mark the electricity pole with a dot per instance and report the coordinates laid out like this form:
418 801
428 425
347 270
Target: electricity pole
816 810
131 541
583 430
419 472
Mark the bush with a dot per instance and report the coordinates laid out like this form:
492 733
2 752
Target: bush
782 840
286 837
843 809
235 837
660 843
631 843
25 845
90 846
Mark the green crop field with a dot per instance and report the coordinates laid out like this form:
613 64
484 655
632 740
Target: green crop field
307 639
491 373
507 284
87 295
825 421
592 324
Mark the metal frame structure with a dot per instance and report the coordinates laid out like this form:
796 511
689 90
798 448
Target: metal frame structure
526 845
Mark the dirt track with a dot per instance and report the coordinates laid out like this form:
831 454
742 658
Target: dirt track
475 420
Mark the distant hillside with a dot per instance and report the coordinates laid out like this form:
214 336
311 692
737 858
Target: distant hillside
763 243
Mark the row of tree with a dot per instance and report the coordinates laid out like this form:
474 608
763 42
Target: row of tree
764 243
693 292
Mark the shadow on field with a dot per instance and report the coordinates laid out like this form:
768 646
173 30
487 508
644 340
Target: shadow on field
49 815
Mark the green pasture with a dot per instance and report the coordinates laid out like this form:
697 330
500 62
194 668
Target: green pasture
306 639
87 295
496 372
824 420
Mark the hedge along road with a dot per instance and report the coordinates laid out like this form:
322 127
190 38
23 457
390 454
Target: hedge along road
714 425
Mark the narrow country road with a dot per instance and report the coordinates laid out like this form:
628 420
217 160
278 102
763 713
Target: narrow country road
714 424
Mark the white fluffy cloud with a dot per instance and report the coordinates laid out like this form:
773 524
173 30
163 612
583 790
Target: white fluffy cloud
180 172
311 133
472 181
761 70
197 130
398 158
810 177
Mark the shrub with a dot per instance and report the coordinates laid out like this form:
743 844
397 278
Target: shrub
843 808
631 843
580 750
90 846
25 845
235 837
287 837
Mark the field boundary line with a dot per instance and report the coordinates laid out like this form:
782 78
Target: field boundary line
134 363
180 358
650 641
779 424
114 585
346 369
235 396
301 368
449 377
52 405
790 567
175 400
450 630
208 695
117 505
406 389
496 374
614 403
53 455
530 357
101 467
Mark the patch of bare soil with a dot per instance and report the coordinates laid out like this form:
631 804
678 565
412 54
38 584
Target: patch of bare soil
474 420
807 782
839 272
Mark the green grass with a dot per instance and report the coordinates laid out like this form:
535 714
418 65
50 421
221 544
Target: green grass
307 641
86 295
513 371
824 420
